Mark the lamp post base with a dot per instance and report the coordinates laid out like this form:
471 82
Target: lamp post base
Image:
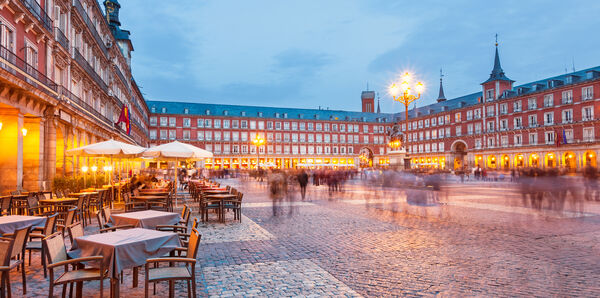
399 159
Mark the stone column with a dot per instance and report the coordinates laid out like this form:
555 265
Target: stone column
50 149
20 150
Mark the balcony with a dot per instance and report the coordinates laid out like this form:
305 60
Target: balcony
84 106
18 67
91 27
34 7
121 76
90 71
61 38
588 96
567 100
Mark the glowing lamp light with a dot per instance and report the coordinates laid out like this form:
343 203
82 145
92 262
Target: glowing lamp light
551 156
570 155
84 169
404 86
420 87
94 168
535 157
24 131
0 125
520 157
590 155
506 158
407 77
394 90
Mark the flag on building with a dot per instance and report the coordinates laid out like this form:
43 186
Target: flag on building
125 117
557 139
564 137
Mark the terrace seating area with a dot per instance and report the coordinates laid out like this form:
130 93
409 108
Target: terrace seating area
102 236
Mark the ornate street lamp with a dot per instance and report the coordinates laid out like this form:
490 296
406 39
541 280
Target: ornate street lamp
258 141
406 93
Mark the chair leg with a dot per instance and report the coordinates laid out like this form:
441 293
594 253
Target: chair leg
101 285
64 291
171 289
23 277
189 286
51 290
7 284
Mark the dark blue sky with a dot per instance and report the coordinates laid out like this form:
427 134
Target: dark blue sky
322 53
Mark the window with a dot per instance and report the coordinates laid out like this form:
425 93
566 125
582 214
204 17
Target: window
489 94
294 125
587 93
504 141
225 123
490 111
567 97
518 123
302 126
244 136
533 138
420 136
286 125
532 120
302 138
477 143
187 122
476 114
549 137
319 126
200 122
244 124
448 132
278 125
569 135
504 109
208 135
334 138
310 126
441 133
477 128
261 125
350 150
421 123
366 139
548 100
440 146
440 120
517 106
163 134
426 122
458 130
186 111
518 140
208 123
235 136
163 121
469 115
490 126
172 134
342 138
163 110
311 138
252 124
365 129
217 123
469 131
549 118
186 135
200 136
433 122
153 135
504 124
427 135
207 112
342 127
269 125
588 134
567 116
587 113
434 147
447 119
531 104
490 142
244 149
153 121
226 135
456 118
172 121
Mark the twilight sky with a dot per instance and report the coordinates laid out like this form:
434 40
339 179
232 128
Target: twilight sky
310 53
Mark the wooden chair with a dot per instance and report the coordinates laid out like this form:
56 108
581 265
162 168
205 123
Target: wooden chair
236 206
184 237
19 238
182 225
75 230
6 245
166 206
109 228
48 229
33 206
131 206
57 257
6 206
62 224
172 273
206 205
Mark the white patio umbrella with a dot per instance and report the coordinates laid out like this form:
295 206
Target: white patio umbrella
177 151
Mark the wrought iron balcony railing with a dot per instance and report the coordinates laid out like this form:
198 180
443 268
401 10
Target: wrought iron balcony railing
61 38
84 106
34 7
89 69
91 27
26 72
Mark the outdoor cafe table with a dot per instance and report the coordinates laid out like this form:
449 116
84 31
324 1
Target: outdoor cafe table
10 223
216 191
125 249
84 193
59 204
148 219
153 193
220 198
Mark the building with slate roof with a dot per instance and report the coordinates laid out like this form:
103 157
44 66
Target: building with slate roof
546 123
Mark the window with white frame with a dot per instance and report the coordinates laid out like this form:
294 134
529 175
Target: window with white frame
269 124
207 123
447 119
235 136
567 116
549 137
504 141
200 123
200 136
518 123
490 111
244 149
286 125
310 126
504 124
318 126
434 134
427 135
587 93
226 124
172 121
457 117
441 133
448 134
517 107
469 115
440 146
588 134
420 135
549 118
489 94
587 113
261 125
476 114
470 129
163 121
532 104
244 136
244 124
208 135
252 124
533 138
518 140
186 135
478 128
356 139
187 122
532 120
152 134
226 136
434 147
217 135
234 123
569 135
548 100
172 134
490 142
433 121
490 126
477 143
458 130
567 96
278 125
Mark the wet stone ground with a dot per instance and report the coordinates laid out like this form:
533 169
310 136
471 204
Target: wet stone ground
369 242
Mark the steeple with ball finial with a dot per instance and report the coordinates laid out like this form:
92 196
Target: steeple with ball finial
498 82
441 96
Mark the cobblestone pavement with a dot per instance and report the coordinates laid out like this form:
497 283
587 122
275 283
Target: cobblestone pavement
369 242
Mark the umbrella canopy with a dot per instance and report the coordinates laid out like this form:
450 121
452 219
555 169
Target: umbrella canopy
177 150
110 148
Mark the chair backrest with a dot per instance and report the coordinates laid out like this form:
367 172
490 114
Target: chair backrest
6 203
136 192
59 194
126 197
193 244
184 211
55 248
240 195
70 216
75 230
20 240
50 224
32 201
195 223
80 202
100 218
186 214
6 245
106 213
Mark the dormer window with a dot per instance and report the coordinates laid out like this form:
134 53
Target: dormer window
276 115
153 109
316 116
243 113
260 114
163 110
207 112
285 115
186 111
299 116
225 112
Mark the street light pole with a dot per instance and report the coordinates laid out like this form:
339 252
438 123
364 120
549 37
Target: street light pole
258 141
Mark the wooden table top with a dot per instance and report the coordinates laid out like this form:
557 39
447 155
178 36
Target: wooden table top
221 196
148 198
59 200
85 193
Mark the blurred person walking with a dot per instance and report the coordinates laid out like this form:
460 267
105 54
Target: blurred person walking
302 178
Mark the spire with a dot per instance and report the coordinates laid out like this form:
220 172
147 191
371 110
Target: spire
378 108
441 96
497 72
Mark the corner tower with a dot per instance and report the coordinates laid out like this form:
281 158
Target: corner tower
498 82
368 101
112 8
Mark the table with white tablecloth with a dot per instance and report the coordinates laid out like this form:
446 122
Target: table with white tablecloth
147 219
10 223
